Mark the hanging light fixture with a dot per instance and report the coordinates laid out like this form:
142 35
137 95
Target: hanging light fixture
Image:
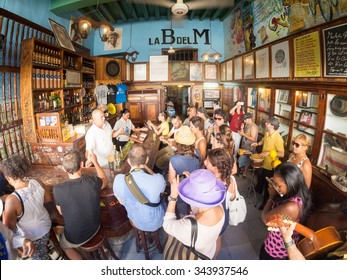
211 52
171 50
85 25
131 53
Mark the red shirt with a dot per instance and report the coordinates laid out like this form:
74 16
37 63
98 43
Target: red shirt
236 121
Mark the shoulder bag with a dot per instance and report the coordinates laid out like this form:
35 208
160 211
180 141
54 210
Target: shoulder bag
237 207
176 250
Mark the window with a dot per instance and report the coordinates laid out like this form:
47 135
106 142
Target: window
182 54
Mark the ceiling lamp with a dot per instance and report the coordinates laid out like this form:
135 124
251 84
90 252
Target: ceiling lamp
171 50
84 26
211 53
104 32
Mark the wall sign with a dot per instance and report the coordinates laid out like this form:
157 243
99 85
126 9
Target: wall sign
335 51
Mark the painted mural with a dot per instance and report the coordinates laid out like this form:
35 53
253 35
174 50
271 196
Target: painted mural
255 23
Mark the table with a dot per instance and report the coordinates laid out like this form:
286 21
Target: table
113 215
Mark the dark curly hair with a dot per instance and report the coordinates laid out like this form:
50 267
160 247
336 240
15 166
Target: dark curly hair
224 162
15 167
185 150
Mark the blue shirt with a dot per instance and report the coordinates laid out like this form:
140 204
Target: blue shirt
144 217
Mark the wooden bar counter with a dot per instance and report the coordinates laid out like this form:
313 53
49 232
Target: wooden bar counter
113 215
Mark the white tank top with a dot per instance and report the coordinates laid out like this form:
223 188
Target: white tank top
35 222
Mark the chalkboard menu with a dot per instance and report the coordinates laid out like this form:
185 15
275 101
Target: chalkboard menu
335 51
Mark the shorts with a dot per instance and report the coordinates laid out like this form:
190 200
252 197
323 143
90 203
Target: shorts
64 244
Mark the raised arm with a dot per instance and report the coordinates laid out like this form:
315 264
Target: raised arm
99 171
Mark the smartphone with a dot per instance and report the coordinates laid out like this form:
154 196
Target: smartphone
241 103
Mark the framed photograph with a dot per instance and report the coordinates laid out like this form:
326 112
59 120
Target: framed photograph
158 68
61 35
280 62
222 71
285 114
229 70
75 34
180 71
115 40
211 93
308 118
195 71
238 68
210 71
248 62
140 72
283 95
262 63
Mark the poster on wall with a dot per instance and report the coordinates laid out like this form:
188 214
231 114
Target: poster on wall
210 71
114 41
74 32
307 60
335 51
280 60
140 72
238 68
195 72
229 70
248 61
158 68
222 72
180 71
262 63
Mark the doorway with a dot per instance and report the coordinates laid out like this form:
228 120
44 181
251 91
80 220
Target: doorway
178 95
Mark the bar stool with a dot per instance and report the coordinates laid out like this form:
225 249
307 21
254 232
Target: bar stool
97 245
251 186
144 238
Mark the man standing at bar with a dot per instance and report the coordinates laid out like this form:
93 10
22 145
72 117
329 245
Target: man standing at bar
78 201
99 138
144 217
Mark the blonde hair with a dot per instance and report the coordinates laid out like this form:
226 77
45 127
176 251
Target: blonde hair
304 139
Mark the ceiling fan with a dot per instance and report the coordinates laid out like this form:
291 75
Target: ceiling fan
181 8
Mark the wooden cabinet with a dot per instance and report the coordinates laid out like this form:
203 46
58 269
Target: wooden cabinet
56 91
143 105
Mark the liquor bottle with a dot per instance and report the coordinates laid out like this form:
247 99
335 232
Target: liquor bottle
64 79
116 158
57 98
53 101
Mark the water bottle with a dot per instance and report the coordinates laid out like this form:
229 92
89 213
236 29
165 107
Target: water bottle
127 131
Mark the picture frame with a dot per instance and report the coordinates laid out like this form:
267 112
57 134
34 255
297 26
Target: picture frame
238 68
280 60
180 71
262 63
61 35
229 70
286 115
283 95
195 71
158 68
222 71
140 71
248 61
307 118
211 94
210 71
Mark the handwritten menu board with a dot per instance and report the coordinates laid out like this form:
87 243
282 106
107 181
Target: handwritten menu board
335 51
307 55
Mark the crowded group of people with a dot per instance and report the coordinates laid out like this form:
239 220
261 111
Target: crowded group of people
195 166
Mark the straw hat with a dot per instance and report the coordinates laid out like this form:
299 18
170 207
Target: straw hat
338 106
185 136
202 189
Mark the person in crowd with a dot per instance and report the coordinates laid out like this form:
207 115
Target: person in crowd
236 124
99 138
205 194
125 126
163 128
220 162
144 217
215 104
288 196
301 144
167 152
9 241
249 135
184 160
272 141
191 113
197 127
25 213
292 251
220 117
202 113
78 201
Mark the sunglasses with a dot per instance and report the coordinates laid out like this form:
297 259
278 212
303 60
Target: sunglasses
219 119
296 145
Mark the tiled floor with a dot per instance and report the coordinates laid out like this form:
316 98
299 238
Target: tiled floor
241 242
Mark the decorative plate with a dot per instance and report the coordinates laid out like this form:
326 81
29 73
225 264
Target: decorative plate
83 92
112 68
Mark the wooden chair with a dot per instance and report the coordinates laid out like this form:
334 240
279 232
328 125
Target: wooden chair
145 240
96 247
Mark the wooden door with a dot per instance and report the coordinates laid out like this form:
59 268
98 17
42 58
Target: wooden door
151 107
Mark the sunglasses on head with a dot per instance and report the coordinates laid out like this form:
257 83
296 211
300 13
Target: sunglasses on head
216 118
296 144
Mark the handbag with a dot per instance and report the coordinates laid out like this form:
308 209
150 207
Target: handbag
176 250
237 207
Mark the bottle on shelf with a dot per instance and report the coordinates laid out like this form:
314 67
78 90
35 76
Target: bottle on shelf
64 79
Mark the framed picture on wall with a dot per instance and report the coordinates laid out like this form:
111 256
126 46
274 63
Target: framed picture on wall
195 72
158 68
140 72
308 118
262 63
61 35
180 71
229 70
280 63
210 71
248 62
238 68
283 95
222 71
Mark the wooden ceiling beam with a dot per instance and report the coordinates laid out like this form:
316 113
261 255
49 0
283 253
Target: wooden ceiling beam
59 7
